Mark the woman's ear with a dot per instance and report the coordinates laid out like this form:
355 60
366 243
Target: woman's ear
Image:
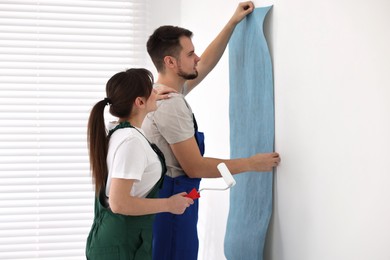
139 102
169 61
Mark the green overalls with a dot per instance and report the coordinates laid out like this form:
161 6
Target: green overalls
119 237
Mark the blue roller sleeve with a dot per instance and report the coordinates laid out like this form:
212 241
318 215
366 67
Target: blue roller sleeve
252 130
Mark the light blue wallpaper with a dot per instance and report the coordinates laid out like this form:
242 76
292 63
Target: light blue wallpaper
251 131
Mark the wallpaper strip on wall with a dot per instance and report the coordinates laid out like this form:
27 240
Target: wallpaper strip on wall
251 131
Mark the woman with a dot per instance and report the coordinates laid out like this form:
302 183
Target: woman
127 171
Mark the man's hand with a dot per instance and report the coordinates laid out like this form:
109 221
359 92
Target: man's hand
264 162
243 9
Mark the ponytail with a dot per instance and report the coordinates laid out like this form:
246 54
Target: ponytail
98 145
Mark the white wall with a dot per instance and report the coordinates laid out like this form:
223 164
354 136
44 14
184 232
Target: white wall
332 93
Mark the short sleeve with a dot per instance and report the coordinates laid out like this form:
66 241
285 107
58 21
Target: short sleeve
130 160
174 120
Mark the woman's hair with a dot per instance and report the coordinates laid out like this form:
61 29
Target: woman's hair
165 41
121 89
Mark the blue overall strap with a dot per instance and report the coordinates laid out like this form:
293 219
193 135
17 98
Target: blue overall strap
199 136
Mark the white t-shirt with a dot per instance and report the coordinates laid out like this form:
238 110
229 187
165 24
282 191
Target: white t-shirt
131 157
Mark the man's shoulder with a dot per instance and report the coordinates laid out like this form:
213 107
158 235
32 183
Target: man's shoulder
174 102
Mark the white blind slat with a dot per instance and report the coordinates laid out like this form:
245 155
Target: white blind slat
46 195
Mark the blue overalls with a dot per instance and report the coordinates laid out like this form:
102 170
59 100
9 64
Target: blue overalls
175 237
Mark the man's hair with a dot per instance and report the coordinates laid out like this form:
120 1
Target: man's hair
165 41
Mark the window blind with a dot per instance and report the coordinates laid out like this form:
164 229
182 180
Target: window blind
55 58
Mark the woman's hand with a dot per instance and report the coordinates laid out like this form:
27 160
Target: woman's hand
163 92
178 203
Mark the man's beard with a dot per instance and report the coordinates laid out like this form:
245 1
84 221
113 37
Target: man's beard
187 76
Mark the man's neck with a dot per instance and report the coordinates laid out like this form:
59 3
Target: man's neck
176 83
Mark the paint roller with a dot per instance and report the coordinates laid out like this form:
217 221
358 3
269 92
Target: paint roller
227 177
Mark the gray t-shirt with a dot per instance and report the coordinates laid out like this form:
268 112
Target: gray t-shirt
171 123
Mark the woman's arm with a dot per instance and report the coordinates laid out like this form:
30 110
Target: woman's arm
122 203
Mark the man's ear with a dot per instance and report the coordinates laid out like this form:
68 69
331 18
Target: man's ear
169 61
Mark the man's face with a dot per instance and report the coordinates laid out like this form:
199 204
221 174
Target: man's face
188 60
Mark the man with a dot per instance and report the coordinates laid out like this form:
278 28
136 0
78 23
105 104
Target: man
173 128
